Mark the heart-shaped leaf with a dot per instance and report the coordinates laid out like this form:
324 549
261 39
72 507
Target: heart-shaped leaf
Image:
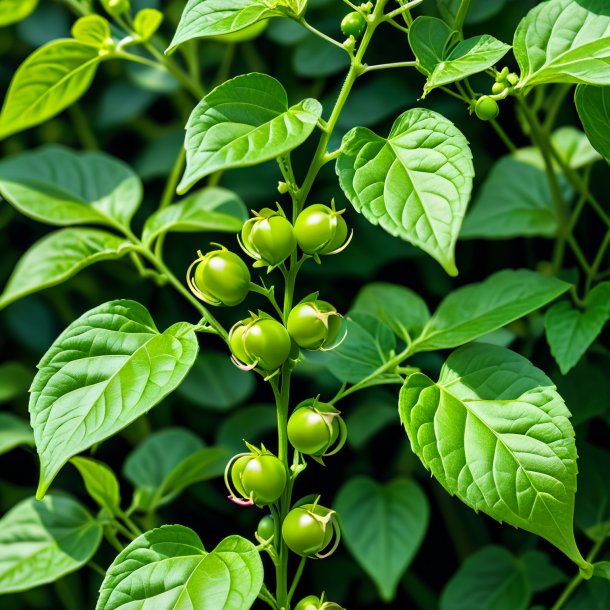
383 526
61 187
42 541
168 568
105 370
243 122
415 184
59 256
428 38
570 331
494 431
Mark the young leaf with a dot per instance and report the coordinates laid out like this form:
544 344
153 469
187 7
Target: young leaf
469 57
13 11
168 568
42 541
397 307
100 482
243 122
210 209
593 105
367 346
14 432
383 527
570 331
59 256
564 41
514 201
428 38
202 18
494 431
58 186
93 30
415 184
574 147
47 82
473 311
105 370
146 22
491 578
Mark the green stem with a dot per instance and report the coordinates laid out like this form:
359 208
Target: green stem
322 35
503 136
597 262
458 24
297 578
554 105
112 539
575 582
397 64
172 181
82 127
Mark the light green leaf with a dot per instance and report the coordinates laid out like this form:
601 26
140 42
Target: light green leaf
602 569
574 147
210 209
368 345
428 38
52 78
514 201
564 41
490 579
93 30
494 431
203 18
397 307
105 370
12 11
42 541
168 568
58 186
475 310
59 256
146 22
469 57
100 482
14 432
593 105
169 461
570 331
383 527
415 184
243 122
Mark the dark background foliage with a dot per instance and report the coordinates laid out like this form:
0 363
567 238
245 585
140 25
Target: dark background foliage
138 115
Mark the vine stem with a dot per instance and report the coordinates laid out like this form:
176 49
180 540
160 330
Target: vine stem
458 24
575 582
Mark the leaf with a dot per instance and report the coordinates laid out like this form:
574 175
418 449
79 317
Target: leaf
593 106
58 186
210 209
315 58
146 22
564 41
215 383
570 332
494 431
514 201
42 541
167 462
469 57
397 307
253 422
383 527
12 11
593 594
541 574
52 78
59 256
203 18
14 432
367 346
491 578
93 30
15 379
428 38
105 370
243 122
371 413
415 184
475 310
100 482
602 569
574 147
168 568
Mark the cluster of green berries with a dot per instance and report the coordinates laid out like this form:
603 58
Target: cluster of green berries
486 107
